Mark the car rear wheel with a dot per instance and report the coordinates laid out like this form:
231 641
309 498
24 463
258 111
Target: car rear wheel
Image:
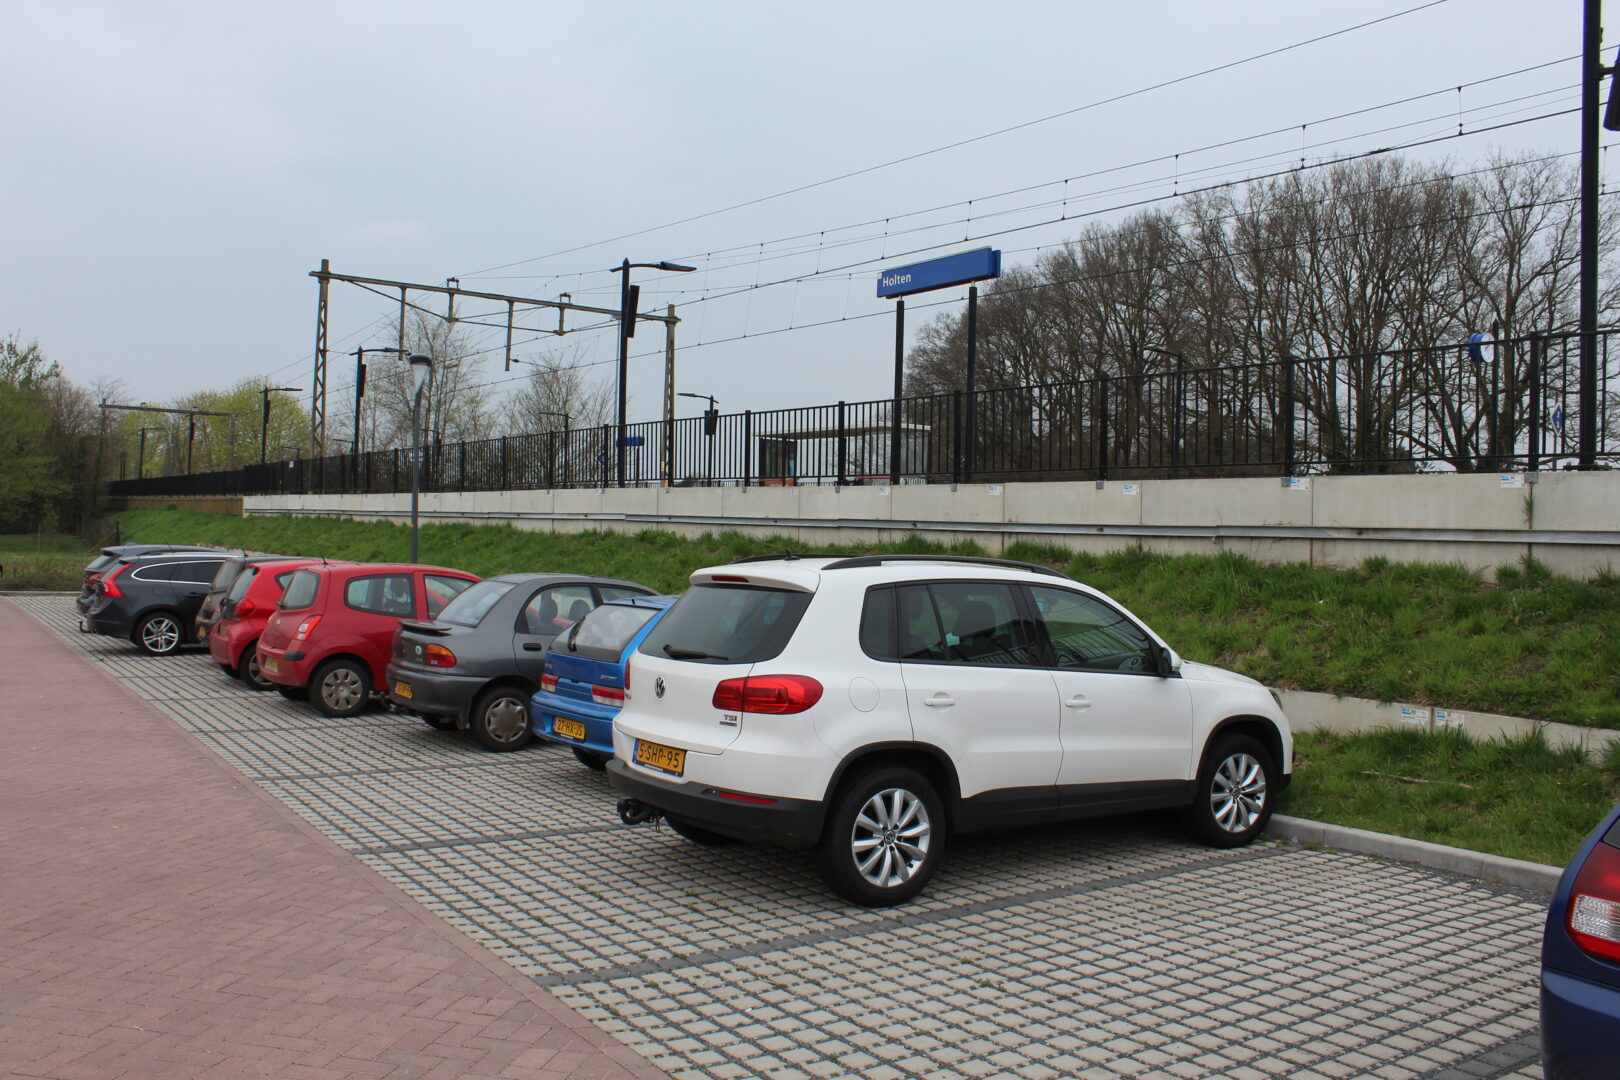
160 634
883 839
341 688
1237 787
247 669
697 834
592 760
500 719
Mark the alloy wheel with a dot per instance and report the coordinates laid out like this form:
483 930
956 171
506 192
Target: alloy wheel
1237 793
160 635
891 837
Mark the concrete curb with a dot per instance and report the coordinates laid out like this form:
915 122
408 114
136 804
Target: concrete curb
1515 872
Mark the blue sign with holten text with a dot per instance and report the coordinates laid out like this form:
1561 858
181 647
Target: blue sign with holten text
956 269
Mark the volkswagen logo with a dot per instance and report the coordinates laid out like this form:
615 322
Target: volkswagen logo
658 687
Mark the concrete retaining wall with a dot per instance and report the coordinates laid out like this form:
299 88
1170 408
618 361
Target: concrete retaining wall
1569 521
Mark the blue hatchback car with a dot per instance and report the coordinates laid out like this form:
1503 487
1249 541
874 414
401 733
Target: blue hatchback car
1580 963
583 687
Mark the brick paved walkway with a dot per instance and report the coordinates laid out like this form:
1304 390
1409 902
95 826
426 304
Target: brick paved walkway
161 917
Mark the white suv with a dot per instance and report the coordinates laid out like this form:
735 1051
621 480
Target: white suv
870 706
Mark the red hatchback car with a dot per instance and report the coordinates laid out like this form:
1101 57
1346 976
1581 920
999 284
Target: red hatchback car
234 639
332 632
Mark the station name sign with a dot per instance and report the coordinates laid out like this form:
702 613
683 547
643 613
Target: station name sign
959 269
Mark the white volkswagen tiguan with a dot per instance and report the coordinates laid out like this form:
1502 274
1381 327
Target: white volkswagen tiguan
872 706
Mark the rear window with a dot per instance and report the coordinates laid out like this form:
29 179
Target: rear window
474 603
227 573
239 587
728 624
603 634
301 590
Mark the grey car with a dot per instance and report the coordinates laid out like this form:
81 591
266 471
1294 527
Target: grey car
477 664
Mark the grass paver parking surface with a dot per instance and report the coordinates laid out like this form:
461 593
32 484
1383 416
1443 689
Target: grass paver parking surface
1112 949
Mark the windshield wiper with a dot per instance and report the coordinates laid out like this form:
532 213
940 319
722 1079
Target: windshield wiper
675 653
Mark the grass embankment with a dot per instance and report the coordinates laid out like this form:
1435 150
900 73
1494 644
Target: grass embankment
43 560
1522 642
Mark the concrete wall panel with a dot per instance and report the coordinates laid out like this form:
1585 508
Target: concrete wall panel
1244 501
1081 503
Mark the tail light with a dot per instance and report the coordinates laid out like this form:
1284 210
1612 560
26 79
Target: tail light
608 695
1594 904
438 656
244 607
548 683
775 694
109 584
306 628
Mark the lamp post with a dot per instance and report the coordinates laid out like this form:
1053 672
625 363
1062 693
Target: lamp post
264 419
1177 413
421 369
627 329
140 466
711 422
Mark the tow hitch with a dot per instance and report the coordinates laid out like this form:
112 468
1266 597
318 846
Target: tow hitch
632 812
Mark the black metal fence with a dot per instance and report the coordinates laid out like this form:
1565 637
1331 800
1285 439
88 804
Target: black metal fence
1503 405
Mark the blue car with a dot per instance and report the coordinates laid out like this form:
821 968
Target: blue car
583 687
1580 963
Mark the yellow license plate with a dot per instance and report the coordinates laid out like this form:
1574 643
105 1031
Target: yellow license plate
403 689
270 664
568 729
658 756
202 635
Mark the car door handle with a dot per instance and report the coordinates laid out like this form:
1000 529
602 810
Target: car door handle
1079 701
533 646
940 701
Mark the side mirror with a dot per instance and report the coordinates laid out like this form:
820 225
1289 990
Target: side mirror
1168 662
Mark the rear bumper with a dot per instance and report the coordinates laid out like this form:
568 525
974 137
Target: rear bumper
1580 1028
112 620
284 667
435 695
793 823
545 707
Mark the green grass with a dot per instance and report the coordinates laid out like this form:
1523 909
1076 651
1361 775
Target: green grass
1516 797
44 544
52 561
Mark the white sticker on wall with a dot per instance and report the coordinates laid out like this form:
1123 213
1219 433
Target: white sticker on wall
1444 718
1130 489
1297 483
993 489
1415 714
1512 480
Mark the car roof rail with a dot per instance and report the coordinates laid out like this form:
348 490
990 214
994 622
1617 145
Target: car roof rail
972 560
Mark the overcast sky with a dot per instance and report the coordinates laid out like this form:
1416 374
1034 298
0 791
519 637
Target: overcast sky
174 170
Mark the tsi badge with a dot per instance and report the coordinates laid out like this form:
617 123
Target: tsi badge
658 687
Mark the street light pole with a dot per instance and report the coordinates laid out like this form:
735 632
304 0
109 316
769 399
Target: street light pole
264 417
627 329
711 421
421 369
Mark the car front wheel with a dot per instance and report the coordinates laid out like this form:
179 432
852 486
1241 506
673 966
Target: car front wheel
884 837
341 688
500 719
1237 788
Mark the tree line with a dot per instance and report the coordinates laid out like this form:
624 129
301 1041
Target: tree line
1383 261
